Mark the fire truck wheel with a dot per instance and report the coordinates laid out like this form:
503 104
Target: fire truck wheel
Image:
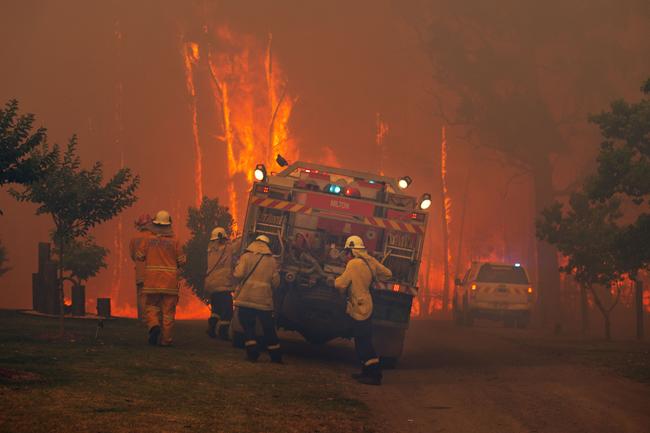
388 362
238 340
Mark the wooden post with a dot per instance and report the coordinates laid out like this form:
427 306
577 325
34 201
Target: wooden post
639 308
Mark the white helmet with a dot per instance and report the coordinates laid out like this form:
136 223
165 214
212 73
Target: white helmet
163 218
218 233
355 243
263 238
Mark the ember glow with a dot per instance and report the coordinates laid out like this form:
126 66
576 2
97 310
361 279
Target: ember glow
190 60
382 130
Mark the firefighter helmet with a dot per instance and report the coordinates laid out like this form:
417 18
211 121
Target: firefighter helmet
218 233
354 243
263 238
163 218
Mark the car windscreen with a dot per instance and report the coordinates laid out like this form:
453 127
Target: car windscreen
502 274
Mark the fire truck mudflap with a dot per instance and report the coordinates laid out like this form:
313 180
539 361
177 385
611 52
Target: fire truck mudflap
308 211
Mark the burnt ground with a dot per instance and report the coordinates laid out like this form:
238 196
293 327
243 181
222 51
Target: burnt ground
481 379
493 379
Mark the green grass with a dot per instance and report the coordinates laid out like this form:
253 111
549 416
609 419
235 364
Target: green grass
117 383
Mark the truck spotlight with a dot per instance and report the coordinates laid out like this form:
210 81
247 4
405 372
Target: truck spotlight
517 265
260 172
425 201
404 182
281 161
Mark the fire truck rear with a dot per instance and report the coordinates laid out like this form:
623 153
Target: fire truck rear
308 211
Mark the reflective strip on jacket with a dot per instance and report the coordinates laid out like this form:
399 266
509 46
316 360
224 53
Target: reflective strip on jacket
356 280
162 255
220 266
257 291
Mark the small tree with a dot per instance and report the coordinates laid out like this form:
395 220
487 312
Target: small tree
201 221
76 199
18 141
587 234
82 259
624 172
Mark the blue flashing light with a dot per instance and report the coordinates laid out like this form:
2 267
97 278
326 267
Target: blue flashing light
334 189
371 181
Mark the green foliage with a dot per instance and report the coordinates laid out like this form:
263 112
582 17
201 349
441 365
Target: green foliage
18 161
83 259
624 171
3 260
78 199
587 234
201 221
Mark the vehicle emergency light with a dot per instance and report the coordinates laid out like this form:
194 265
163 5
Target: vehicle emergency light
404 182
425 201
333 188
260 172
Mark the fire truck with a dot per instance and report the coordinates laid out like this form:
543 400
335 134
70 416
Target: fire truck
308 211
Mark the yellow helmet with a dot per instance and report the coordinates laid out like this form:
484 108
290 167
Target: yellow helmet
263 238
355 243
218 233
163 218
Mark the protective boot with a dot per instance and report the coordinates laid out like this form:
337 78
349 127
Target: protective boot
212 323
154 335
371 375
252 353
276 355
223 331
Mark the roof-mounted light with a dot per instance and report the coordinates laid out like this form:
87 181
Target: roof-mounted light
260 173
425 201
404 182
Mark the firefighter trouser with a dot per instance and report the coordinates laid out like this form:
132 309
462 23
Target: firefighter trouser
141 299
160 310
362 333
248 318
221 312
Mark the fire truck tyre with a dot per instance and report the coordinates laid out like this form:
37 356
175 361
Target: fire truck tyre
523 321
388 362
238 340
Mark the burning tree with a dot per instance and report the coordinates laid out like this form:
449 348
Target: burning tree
3 260
76 199
201 221
502 80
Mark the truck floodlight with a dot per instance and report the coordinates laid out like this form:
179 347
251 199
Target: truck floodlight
425 201
404 182
260 172
517 265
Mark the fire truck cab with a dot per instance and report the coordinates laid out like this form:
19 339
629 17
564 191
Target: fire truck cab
308 211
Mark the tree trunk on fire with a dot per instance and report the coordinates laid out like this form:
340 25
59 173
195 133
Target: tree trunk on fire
547 265
638 288
584 311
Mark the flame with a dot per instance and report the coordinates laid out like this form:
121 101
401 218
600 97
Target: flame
250 92
191 59
382 130
446 214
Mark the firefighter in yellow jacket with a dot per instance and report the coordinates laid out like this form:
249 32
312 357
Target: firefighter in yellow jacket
258 275
219 281
162 256
361 270
142 225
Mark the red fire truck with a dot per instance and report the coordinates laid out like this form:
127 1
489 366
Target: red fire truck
308 210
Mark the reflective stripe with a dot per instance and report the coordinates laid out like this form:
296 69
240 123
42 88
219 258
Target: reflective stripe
273 347
250 343
168 316
152 307
371 361
161 268
214 315
224 322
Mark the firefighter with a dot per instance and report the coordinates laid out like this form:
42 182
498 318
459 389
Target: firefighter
162 257
258 275
355 281
142 225
219 281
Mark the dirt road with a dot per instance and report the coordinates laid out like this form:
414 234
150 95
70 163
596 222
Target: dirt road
492 379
